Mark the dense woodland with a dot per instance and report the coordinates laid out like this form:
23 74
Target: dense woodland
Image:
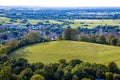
20 69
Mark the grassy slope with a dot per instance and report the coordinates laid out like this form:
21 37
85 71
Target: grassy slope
53 51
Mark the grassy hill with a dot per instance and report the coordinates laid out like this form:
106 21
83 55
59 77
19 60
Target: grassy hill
53 51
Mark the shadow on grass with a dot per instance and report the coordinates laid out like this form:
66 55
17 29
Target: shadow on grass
22 52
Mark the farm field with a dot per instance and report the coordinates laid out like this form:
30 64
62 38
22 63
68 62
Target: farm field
93 23
51 52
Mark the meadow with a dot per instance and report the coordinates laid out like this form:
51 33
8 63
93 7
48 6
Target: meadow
4 20
51 52
93 23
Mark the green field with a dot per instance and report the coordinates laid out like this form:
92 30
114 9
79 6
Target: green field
86 23
4 20
53 51
93 23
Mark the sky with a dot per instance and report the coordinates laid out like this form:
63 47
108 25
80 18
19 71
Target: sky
62 3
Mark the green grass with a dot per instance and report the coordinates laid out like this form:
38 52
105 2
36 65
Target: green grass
53 51
34 21
93 23
55 22
4 20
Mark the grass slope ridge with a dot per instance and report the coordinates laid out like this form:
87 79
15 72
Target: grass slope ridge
53 51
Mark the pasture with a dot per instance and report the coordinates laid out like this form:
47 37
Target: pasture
51 52
93 23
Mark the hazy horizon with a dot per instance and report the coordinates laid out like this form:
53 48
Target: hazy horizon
61 3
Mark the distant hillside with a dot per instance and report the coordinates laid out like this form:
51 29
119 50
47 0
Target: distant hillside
53 51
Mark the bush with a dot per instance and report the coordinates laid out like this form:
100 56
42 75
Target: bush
109 76
37 77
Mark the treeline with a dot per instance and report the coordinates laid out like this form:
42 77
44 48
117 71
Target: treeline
30 38
20 69
60 13
72 34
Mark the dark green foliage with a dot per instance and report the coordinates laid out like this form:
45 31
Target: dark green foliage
84 38
59 74
32 37
13 44
67 75
113 41
109 38
5 73
4 50
37 77
75 77
101 39
81 70
3 57
17 64
112 67
49 70
109 76
15 77
20 64
62 61
92 38
74 62
70 34
36 66
26 74
73 70
118 42
85 70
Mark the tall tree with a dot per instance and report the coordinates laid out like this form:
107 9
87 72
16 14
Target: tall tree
113 41
112 67
70 34
31 37
92 38
118 42
109 38
101 39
